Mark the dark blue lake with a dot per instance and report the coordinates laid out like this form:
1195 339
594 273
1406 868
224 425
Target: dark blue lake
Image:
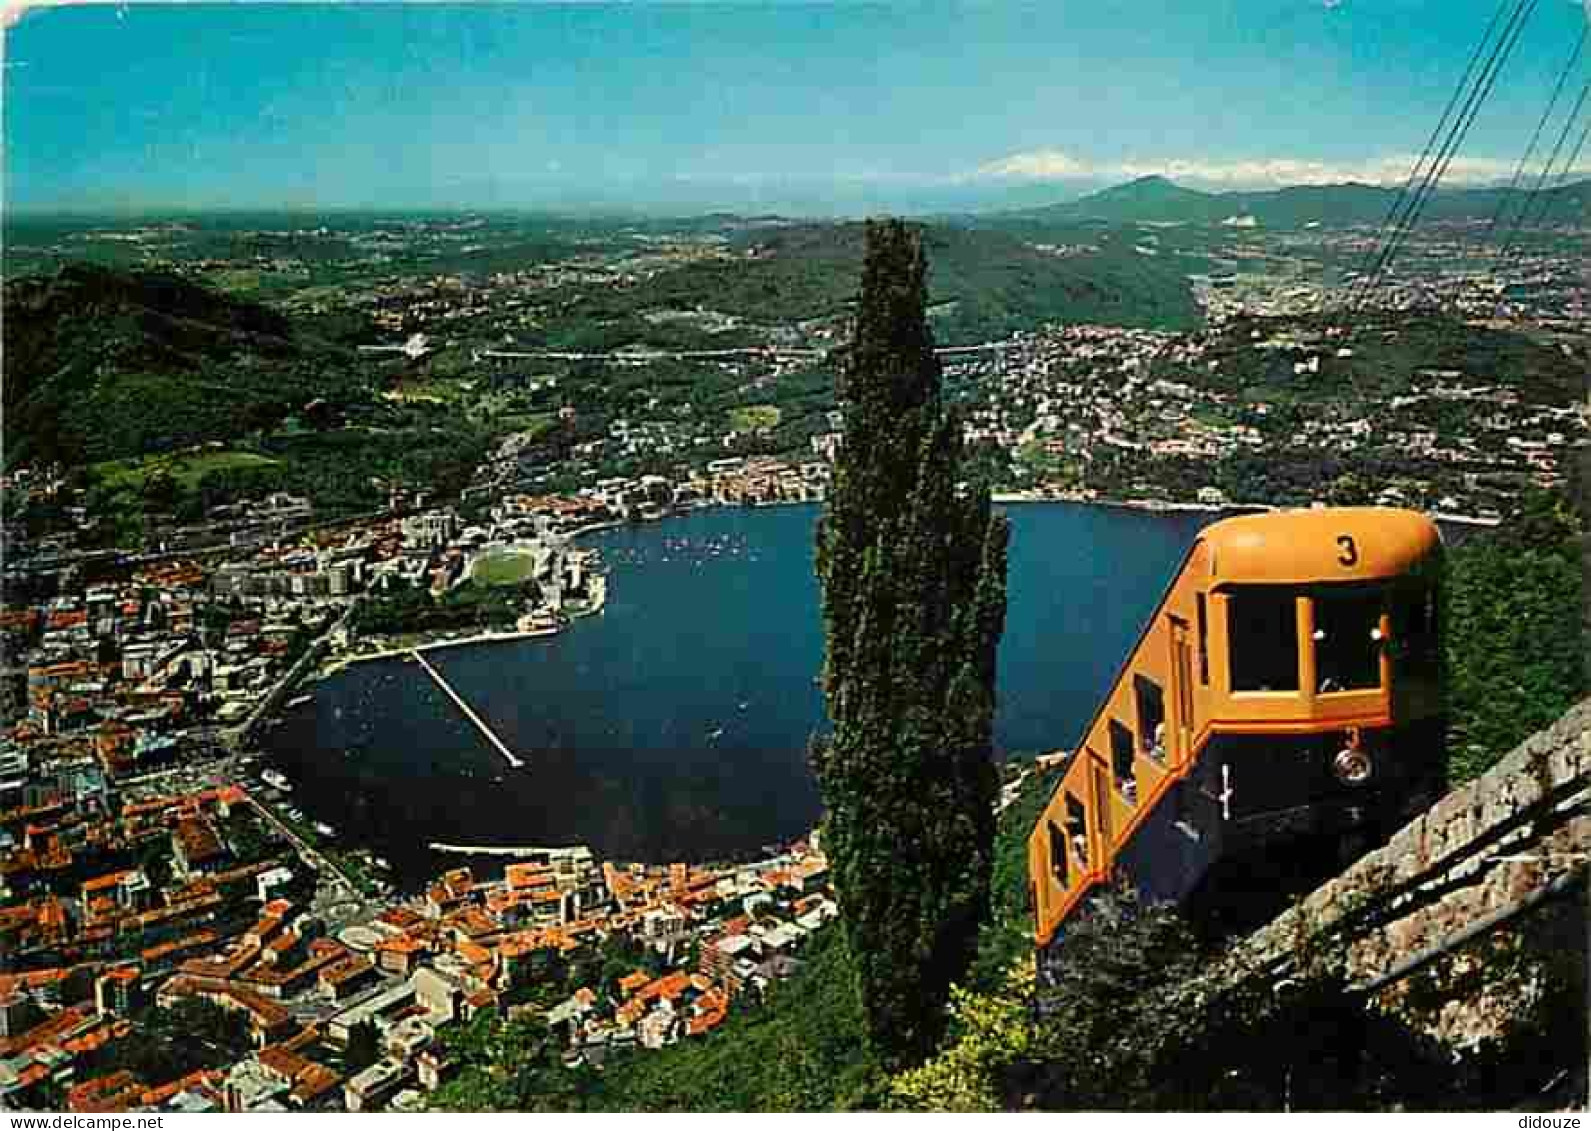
675 724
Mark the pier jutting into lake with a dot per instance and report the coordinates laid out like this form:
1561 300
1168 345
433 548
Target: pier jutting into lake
530 852
491 736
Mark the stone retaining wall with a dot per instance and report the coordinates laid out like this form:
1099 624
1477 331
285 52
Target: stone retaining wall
1440 873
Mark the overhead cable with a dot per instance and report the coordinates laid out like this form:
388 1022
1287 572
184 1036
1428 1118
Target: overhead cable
1478 94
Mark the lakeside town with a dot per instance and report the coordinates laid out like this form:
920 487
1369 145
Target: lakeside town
147 864
150 868
339 1007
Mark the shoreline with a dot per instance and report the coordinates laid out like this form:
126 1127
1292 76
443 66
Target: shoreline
596 605
338 663
1006 498
1153 505
598 527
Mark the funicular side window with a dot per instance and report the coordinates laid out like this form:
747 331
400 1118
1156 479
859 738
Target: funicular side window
1077 828
1122 753
1348 637
1059 864
1204 645
1151 703
1262 638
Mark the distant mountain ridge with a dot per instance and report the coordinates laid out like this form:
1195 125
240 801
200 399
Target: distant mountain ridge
1158 199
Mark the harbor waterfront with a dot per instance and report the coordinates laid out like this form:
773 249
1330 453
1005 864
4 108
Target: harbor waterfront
675 725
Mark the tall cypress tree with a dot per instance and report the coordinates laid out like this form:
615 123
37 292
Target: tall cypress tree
912 569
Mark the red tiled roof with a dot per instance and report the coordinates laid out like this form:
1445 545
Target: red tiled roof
285 1064
198 840
48 1032
19 618
96 1038
667 988
32 979
528 876
400 917
105 882
316 1081
204 1079
345 970
703 1022
115 1092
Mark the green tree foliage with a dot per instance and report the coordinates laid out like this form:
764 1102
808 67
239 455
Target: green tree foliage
504 1065
990 1033
413 609
171 1042
987 284
1115 1023
1007 934
159 490
1515 652
803 1049
912 568
1126 1016
1131 1013
251 839
104 363
364 1048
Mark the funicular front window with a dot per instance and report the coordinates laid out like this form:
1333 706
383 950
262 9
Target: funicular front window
1348 637
1262 638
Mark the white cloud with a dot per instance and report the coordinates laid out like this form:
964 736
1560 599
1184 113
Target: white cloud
12 12
1039 165
1269 172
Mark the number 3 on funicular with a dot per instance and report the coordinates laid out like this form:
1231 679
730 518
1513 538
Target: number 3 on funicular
1349 554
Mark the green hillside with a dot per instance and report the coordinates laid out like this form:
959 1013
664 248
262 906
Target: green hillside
984 284
1159 200
178 398
1255 357
103 364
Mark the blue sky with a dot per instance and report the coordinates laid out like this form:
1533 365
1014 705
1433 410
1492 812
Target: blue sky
150 106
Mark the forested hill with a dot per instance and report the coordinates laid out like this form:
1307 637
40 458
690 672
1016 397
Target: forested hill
1295 361
103 363
1159 200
